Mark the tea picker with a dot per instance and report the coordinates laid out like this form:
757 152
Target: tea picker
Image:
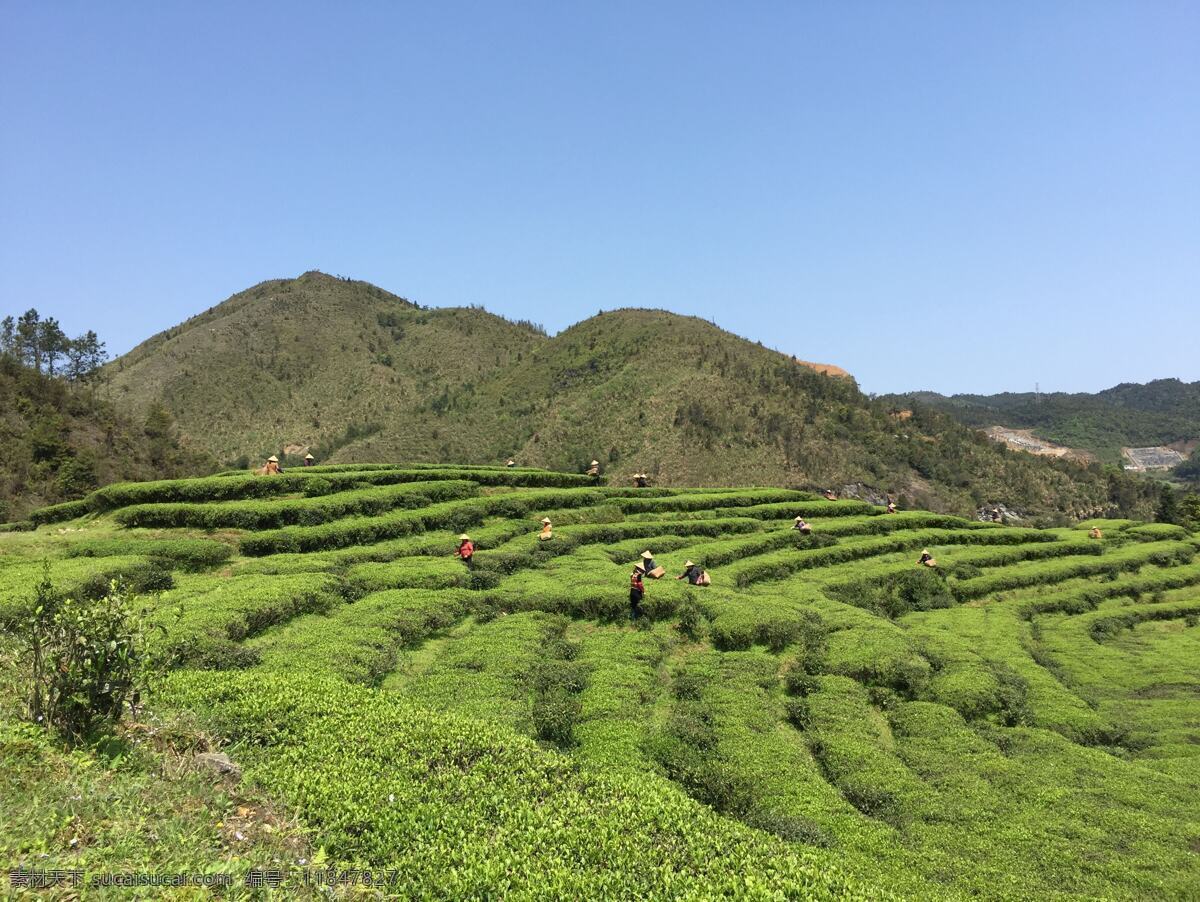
648 566
691 573
466 549
637 591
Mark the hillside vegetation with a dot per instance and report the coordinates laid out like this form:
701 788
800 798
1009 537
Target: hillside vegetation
353 373
1162 412
826 720
62 439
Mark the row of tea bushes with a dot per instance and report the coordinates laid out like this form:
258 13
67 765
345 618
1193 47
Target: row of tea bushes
452 515
277 513
1111 563
358 642
245 486
465 810
188 554
206 618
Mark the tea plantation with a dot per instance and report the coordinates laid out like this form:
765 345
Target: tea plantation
826 720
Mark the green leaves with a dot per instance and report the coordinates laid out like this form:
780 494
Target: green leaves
83 658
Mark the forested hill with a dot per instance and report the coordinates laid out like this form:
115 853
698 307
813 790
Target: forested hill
351 372
61 439
1162 412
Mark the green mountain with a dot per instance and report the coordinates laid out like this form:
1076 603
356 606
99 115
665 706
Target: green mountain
1162 412
61 440
353 373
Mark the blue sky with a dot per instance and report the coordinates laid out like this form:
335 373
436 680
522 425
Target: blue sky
956 196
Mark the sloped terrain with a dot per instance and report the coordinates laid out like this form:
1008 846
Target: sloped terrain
353 373
312 363
826 719
1161 412
61 440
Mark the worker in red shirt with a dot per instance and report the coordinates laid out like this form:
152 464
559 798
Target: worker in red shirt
466 549
637 591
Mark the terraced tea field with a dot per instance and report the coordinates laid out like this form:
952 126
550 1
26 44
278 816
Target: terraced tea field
826 719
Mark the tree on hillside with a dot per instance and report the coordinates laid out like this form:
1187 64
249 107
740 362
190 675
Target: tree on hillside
85 356
1189 511
1168 506
8 337
28 343
41 343
52 342
160 432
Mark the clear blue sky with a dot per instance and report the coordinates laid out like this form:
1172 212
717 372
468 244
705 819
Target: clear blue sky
958 196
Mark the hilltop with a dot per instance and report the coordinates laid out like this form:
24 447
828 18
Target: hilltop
827 719
1165 412
351 372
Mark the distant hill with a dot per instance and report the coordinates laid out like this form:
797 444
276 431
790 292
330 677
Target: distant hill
354 373
1165 412
62 440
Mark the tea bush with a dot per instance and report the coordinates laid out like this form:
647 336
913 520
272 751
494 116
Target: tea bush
505 730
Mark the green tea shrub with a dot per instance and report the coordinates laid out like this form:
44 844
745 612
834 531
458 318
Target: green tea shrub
897 594
557 680
152 576
189 554
85 659
797 712
451 515
791 827
689 685
81 577
693 623
57 513
554 716
205 618
729 634
274 514
245 486
705 501
316 487
466 809
778 632
413 573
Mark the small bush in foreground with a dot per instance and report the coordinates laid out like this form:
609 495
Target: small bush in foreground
85 659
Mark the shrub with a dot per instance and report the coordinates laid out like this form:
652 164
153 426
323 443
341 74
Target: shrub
85 658
554 716
792 827
191 554
57 513
798 713
692 622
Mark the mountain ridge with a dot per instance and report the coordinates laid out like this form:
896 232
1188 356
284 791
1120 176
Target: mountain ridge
353 372
1162 412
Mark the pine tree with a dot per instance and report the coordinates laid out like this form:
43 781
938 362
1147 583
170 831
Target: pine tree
52 341
1168 506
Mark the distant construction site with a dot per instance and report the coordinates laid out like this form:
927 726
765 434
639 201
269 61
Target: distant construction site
1024 440
1159 458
